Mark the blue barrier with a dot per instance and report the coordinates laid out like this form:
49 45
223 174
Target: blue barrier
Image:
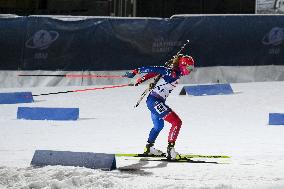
39 113
45 41
276 118
78 159
17 97
200 90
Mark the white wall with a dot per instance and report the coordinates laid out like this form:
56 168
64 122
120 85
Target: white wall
222 74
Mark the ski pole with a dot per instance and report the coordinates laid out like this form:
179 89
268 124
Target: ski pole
73 75
142 96
84 90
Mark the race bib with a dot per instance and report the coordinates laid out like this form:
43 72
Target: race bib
161 108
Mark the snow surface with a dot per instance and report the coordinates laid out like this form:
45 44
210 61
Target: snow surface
269 6
235 125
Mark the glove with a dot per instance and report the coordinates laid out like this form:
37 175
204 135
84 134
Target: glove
131 74
135 84
139 81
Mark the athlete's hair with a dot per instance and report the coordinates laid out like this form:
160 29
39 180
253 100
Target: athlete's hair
174 62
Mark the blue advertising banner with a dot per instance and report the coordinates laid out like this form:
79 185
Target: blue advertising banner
235 40
12 32
96 43
106 43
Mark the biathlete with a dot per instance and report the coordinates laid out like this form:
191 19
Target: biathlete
180 66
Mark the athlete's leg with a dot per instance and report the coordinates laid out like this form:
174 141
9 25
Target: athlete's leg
158 126
176 123
158 110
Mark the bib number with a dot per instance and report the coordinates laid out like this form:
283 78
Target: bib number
161 108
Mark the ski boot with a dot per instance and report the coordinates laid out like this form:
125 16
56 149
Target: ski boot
149 150
171 153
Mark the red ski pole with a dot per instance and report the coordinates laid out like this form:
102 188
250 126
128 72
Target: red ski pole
88 89
73 75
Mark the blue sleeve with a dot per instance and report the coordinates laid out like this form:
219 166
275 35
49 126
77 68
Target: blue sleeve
155 69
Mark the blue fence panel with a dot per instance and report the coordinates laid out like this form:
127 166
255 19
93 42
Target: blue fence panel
16 97
41 113
200 90
276 119
78 159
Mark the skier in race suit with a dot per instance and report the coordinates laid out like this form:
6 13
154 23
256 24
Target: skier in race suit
156 101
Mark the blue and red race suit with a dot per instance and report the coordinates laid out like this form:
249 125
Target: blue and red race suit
157 98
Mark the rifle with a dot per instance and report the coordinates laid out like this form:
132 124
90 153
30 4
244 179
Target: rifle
169 63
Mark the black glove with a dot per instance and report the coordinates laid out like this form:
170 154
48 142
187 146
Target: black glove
131 74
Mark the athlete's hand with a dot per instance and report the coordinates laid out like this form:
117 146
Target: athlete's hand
134 84
139 81
131 74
